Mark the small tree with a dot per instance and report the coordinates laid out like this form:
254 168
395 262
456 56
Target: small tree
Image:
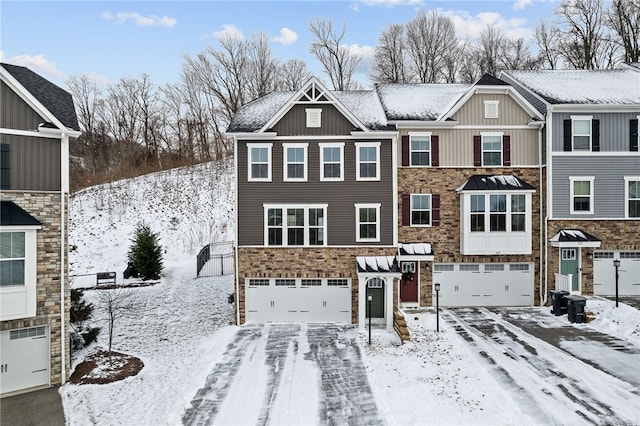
146 253
115 303
80 312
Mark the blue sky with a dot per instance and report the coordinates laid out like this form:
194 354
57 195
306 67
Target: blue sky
112 39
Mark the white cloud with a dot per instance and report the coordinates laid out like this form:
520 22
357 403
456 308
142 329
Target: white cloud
387 3
228 31
141 21
470 26
286 36
36 63
365 52
521 4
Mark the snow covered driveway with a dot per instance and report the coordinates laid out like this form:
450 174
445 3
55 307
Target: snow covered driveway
554 386
287 374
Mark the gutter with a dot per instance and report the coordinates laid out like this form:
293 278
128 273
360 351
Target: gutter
64 189
235 249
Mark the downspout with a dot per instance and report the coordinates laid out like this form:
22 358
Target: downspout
549 144
543 293
64 188
237 269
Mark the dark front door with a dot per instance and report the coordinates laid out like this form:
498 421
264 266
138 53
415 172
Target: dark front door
375 289
409 282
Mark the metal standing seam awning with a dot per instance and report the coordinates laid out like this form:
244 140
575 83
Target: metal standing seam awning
574 238
415 252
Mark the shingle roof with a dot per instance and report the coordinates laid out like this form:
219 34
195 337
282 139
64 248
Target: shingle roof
420 102
495 183
57 100
489 80
12 214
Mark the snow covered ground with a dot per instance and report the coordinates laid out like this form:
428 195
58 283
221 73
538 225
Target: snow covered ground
183 327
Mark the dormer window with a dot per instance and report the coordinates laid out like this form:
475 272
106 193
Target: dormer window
314 117
491 109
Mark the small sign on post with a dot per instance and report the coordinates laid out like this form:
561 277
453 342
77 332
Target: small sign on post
106 278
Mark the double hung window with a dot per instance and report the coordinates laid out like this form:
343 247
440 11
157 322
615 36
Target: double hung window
420 149
368 160
368 222
259 162
331 161
507 212
293 225
632 197
12 259
581 133
420 209
581 194
491 149
295 162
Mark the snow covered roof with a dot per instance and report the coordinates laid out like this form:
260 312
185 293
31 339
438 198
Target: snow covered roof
415 249
424 102
384 264
255 114
495 183
607 87
365 105
574 238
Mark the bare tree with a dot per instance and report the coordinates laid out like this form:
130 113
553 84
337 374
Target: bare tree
430 39
490 46
336 59
390 57
453 62
293 74
115 304
471 70
547 38
515 55
624 18
262 66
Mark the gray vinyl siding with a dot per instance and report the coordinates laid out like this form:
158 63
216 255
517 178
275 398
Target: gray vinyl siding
16 113
509 112
34 163
340 196
294 122
609 173
614 130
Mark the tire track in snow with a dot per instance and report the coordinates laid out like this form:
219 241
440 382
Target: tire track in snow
534 369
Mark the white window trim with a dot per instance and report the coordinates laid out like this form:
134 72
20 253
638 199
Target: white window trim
25 294
368 206
583 118
487 109
411 134
285 161
508 212
314 117
628 179
589 179
411 212
322 146
284 208
482 135
269 147
359 145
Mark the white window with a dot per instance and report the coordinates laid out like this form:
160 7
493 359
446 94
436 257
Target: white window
295 225
491 149
420 209
368 160
259 161
581 133
295 162
632 197
331 161
408 267
314 117
18 253
12 259
420 149
518 213
507 212
581 197
491 109
367 222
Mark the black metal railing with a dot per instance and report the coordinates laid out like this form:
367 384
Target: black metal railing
214 265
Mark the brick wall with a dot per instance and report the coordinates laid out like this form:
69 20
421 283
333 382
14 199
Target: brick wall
45 206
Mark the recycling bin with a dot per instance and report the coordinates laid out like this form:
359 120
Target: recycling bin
559 302
575 308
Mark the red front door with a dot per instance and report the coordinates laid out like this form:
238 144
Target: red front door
409 282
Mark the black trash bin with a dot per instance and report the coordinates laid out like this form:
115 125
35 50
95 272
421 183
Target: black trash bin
559 302
575 308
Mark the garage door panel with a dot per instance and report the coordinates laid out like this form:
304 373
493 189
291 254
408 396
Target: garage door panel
604 273
24 356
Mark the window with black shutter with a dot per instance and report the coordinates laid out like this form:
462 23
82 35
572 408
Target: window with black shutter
633 135
4 166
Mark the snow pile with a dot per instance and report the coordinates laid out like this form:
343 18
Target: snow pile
622 322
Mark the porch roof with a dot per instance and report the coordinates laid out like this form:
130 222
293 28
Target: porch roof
574 238
12 214
377 264
415 251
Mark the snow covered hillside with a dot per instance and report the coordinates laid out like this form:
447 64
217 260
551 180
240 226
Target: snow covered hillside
188 207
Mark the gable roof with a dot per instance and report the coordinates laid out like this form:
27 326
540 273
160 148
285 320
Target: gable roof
489 80
602 87
420 101
57 101
495 183
12 214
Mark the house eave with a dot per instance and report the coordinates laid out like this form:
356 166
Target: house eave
418 124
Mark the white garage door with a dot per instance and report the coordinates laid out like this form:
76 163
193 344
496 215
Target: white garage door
604 273
485 284
24 358
298 300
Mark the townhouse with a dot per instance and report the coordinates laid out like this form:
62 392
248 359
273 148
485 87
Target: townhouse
37 119
593 167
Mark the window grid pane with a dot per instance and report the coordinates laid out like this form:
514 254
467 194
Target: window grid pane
634 199
331 162
259 163
420 209
368 162
420 150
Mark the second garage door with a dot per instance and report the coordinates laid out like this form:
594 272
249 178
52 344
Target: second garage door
24 357
485 284
298 300
604 273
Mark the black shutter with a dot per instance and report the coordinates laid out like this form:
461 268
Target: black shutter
435 210
4 166
567 135
506 150
435 151
477 151
633 135
595 135
405 150
406 210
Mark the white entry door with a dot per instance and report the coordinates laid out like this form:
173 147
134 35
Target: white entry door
298 300
604 273
24 358
485 284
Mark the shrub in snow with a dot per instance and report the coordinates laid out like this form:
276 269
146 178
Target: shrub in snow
146 253
79 313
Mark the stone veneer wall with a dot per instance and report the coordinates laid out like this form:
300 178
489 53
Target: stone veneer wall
445 238
45 206
614 234
320 262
